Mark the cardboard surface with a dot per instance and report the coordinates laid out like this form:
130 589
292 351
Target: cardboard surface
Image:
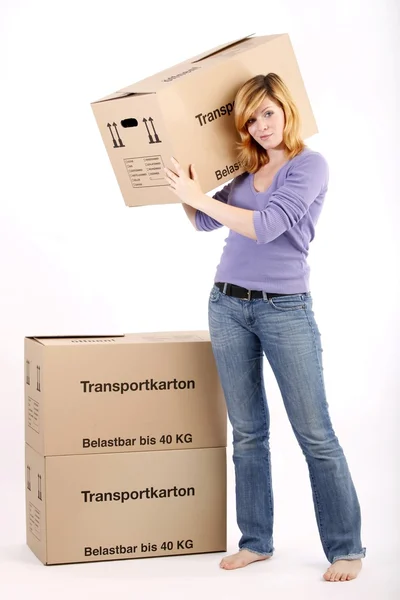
186 112
128 505
136 392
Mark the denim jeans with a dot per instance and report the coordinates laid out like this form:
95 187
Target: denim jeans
283 328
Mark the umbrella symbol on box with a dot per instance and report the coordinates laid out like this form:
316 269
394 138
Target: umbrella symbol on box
28 373
151 140
40 487
120 143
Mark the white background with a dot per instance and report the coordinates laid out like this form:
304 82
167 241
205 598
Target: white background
75 260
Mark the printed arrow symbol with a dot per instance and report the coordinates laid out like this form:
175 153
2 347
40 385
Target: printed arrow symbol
155 133
121 144
148 132
112 135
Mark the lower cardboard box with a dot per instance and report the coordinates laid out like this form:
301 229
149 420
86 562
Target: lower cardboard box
82 508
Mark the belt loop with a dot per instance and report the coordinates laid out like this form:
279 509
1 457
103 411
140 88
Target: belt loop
225 286
265 297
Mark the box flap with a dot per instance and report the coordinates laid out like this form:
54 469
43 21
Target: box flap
124 93
51 340
168 337
218 49
152 84
128 338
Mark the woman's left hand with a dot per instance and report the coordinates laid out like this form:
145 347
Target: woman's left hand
186 188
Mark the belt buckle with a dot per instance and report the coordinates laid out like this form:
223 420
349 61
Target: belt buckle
248 295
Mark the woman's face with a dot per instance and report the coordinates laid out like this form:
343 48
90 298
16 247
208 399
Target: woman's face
266 125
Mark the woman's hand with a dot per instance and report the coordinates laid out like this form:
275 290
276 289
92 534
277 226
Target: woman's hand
186 188
189 191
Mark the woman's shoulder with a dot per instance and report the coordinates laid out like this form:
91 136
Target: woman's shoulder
309 160
309 156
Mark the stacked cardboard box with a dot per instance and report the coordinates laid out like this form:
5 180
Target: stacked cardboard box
125 447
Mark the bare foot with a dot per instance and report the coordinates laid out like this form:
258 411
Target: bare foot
240 559
343 570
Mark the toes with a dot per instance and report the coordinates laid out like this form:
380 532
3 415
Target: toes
330 575
341 572
228 565
339 576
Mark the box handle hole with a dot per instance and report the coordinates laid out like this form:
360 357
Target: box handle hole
129 123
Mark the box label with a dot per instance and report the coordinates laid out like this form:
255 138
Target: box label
147 385
148 493
34 521
142 440
141 548
146 171
33 414
216 113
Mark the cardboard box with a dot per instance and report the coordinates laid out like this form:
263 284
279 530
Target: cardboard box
134 392
186 112
130 505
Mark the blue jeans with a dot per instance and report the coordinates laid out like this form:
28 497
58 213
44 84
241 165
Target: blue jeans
285 330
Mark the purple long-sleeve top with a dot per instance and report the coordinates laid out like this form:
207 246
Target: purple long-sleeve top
284 218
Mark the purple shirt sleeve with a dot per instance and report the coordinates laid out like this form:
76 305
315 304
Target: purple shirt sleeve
304 183
206 223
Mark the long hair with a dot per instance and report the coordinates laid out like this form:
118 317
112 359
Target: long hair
248 98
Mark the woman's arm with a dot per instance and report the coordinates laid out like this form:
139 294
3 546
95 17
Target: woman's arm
237 219
286 207
199 219
191 213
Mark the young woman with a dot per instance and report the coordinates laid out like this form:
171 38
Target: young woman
261 303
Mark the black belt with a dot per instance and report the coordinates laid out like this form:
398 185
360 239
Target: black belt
230 289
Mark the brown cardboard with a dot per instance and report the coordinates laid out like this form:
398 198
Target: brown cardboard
186 111
111 506
36 517
135 392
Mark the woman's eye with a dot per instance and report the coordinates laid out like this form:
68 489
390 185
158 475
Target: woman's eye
268 113
250 121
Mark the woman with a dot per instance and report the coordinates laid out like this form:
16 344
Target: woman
261 303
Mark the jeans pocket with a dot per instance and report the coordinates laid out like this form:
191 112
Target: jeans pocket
215 294
288 303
